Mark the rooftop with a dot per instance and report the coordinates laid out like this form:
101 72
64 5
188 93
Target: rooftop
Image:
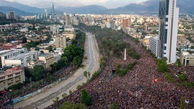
23 55
12 70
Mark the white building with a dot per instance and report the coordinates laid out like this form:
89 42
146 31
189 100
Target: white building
17 57
187 58
169 15
154 45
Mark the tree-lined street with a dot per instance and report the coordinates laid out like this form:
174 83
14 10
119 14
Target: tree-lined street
45 98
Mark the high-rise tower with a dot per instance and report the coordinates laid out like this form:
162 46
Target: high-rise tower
169 15
52 11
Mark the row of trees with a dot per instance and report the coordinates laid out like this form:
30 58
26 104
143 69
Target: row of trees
112 41
73 55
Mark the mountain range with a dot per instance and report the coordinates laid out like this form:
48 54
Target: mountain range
147 7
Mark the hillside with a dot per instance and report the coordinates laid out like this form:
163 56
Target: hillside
148 7
6 9
95 9
152 6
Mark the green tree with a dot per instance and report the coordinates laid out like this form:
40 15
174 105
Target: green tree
54 67
49 77
87 74
24 39
169 77
50 48
37 72
85 98
77 61
182 103
64 95
183 77
113 106
134 54
56 100
69 105
1 40
162 65
62 62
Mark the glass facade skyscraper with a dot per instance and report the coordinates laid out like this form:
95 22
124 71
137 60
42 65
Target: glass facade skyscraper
168 15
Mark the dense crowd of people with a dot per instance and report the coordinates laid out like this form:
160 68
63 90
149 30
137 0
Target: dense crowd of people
4 99
142 88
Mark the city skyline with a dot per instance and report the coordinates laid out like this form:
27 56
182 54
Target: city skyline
64 57
77 3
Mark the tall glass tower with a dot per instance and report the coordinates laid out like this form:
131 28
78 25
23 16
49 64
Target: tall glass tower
169 15
52 11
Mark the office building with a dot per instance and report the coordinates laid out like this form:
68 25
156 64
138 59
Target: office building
154 46
60 41
45 13
52 11
168 15
67 20
11 77
11 15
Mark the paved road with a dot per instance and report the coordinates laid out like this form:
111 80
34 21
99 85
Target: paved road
46 97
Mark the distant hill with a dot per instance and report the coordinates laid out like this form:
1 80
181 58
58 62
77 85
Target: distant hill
147 7
95 9
20 7
6 9
152 6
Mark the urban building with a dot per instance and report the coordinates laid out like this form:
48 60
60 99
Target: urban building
56 29
15 57
187 58
67 20
6 54
125 23
48 59
11 15
32 64
11 77
168 15
60 41
154 45
69 33
146 41
52 11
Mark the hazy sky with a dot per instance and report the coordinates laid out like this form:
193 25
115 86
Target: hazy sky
107 3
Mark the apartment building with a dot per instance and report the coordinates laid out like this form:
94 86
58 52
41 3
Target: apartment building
11 77
154 45
60 41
